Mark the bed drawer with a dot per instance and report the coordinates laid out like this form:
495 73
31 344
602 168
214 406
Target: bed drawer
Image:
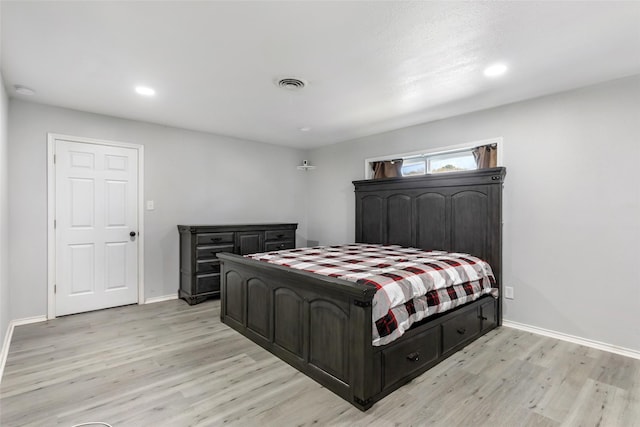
208 283
209 252
488 314
464 327
214 238
402 359
208 266
280 235
278 246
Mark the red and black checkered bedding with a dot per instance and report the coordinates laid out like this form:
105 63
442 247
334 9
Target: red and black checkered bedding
412 284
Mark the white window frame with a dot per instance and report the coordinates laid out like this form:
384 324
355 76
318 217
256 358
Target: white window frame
368 172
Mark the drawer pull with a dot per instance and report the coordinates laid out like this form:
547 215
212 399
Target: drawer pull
461 331
413 357
280 236
483 317
215 239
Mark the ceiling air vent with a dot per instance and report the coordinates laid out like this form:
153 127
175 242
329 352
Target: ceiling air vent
291 83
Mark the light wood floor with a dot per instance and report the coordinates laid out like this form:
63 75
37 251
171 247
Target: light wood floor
170 364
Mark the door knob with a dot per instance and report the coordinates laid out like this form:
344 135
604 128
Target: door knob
132 234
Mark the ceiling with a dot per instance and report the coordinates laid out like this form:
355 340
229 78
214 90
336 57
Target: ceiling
371 66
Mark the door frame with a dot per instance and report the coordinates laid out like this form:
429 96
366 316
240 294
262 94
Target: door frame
51 211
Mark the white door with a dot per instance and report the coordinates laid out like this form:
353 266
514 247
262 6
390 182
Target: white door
96 216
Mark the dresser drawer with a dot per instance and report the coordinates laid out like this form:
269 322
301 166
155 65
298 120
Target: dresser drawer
280 235
214 238
207 283
208 252
402 359
208 266
278 246
461 328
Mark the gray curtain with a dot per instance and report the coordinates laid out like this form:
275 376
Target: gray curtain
387 169
486 156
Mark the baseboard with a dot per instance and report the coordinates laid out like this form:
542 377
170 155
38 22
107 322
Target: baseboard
28 320
160 299
5 348
7 337
573 339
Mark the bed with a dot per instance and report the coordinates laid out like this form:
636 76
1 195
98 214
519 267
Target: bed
322 325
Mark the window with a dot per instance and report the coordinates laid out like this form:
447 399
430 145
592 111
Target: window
439 163
414 166
463 157
449 162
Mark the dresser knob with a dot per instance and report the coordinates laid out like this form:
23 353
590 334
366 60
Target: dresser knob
461 331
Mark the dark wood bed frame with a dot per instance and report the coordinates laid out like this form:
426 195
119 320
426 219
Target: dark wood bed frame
322 326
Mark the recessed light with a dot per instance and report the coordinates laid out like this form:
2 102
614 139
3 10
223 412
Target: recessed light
144 90
23 90
495 70
304 129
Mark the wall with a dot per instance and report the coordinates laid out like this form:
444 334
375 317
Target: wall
4 214
572 198
194 178
571 203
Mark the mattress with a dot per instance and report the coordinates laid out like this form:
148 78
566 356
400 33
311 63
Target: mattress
412 284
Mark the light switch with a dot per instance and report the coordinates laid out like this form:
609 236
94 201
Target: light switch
150 205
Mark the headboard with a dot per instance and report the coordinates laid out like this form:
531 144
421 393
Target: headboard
455 212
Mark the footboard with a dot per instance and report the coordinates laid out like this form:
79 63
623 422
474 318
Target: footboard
319 325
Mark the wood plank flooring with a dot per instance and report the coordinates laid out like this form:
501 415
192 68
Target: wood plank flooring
171 364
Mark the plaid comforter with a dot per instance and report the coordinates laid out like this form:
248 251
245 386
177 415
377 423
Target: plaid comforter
412 284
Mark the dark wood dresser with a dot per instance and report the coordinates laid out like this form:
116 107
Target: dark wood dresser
199 245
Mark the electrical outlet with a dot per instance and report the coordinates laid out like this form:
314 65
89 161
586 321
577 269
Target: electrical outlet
508 292
150 205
